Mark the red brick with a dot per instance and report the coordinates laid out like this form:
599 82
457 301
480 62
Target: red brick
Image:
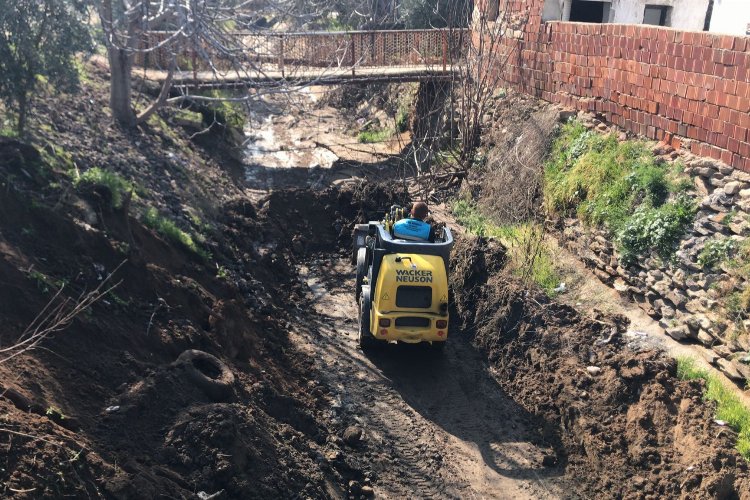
733 145
726 42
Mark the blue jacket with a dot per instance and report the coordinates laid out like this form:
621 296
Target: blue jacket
412 229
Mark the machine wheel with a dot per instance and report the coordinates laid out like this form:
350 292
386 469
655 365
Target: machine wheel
366 340
361 271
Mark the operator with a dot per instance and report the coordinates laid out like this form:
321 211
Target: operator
414 227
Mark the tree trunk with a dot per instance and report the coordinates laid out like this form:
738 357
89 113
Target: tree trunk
120 65
23 103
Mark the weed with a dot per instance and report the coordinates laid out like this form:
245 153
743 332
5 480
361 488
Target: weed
118 300
43 282
171 232
655 229
374 135
55 413
402 119
529 256
222 272
729 408
8 130
620 186
114 184
715 252
227 113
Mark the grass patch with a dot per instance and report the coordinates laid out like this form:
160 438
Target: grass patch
374 135
715 252
227 113
729 408
402 119
620 186
529 256
172 233
97 178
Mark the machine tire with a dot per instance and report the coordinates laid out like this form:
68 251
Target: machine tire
361 271
208 373
365 338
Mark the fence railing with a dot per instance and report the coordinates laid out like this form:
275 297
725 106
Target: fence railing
286 53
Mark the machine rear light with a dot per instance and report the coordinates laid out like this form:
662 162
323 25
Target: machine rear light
441 323
384 332
384 322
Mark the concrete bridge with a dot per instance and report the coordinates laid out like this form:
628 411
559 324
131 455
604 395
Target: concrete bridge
321 58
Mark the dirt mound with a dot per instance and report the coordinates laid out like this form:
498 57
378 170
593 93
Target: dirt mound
310 221
622 423
102 410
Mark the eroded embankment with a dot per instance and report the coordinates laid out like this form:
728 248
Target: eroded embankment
103 410
622 423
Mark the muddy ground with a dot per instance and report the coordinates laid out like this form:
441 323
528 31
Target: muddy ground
512 409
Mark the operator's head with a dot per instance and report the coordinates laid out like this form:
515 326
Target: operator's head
419 210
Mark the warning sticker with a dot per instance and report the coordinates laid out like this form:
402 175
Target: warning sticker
385 296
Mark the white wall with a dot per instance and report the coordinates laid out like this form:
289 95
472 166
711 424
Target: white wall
686 14
730 17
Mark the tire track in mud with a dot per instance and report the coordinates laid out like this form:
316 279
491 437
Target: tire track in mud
435 425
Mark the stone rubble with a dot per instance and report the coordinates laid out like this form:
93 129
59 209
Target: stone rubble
682 295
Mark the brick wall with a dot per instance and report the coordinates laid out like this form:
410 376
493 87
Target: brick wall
691 89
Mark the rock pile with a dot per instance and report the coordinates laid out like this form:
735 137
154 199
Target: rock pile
686 295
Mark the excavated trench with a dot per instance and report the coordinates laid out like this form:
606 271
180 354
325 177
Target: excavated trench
530 400
243 379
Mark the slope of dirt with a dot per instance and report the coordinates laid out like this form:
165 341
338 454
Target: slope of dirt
102 410
619 417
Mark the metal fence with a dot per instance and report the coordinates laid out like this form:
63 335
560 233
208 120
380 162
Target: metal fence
286 53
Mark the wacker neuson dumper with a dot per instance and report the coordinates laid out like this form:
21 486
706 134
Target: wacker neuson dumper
402 284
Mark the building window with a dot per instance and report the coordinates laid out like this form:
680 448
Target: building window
588 11
657 15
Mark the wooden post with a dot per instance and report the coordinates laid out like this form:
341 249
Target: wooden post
195 65
351 38
281 55
445 49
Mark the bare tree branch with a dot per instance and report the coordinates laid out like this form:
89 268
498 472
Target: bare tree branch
56 315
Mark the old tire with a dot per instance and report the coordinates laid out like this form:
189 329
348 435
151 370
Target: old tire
366 340
208 373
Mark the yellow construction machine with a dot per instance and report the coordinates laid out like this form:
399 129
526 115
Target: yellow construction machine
402 284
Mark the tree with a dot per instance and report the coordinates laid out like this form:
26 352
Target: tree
39 40
435 14
206 28
495 44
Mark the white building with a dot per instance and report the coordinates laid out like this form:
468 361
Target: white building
720 16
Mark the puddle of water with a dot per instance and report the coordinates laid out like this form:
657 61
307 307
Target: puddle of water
277 142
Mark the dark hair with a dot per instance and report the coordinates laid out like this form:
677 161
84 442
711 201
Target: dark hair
419 210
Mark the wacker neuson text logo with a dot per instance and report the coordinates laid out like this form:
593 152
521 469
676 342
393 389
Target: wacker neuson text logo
413 276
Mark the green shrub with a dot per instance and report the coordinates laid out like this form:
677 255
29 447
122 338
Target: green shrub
715 252
172 233
655 229
620 186
374 135
116 185
528 254
402 120
729 407
230 114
